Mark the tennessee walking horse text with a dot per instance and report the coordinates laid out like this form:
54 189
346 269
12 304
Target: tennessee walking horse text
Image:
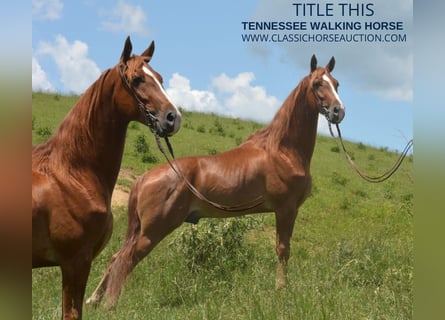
273 165
74 172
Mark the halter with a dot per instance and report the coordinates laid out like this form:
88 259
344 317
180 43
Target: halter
149 115
322 109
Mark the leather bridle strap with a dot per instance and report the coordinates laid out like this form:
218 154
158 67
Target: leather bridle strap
374 179
149 116
236 208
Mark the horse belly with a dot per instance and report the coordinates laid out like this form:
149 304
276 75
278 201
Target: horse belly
231 191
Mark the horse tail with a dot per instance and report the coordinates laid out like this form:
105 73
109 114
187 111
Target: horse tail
125 260
134 221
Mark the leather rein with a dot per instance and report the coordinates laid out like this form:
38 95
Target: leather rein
373 179
229 208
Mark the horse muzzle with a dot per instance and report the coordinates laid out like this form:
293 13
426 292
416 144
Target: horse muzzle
334 114
168 124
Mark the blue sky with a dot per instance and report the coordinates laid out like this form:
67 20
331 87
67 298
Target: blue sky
207 67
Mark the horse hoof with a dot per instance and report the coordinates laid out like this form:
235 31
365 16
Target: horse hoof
92 302
280 284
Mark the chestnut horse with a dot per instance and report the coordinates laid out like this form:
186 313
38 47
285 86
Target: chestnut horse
74 172
273 164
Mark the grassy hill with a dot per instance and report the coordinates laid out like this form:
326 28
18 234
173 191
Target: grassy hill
352 250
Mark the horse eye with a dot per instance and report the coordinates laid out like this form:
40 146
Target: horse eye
137 81
317 84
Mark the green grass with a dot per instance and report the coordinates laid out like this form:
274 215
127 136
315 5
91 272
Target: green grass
351 256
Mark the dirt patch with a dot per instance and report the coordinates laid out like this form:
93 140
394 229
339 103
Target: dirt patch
122 189
119 197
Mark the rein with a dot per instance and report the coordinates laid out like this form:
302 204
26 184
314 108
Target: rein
373 179
236 208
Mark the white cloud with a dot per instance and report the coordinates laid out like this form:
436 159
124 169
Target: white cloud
39 79
382 69
323 126
77 71
183 95
126 18
47 9
234 97
244 100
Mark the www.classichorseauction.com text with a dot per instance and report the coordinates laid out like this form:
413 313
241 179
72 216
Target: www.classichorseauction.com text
327 22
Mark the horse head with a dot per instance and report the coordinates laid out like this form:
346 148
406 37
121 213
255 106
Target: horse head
324 87
145 89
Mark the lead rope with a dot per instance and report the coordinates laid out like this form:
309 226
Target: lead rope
375 179
236 208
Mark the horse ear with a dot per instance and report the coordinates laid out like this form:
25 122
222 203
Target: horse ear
313 63
331 64
149 51
126 53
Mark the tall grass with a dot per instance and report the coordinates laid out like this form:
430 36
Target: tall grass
351 256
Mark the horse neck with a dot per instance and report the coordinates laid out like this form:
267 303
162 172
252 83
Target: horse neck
294 128
92 135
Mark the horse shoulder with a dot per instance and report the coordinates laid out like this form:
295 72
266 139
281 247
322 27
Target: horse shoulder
287 174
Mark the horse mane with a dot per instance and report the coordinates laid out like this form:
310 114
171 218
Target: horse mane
75 131
283 121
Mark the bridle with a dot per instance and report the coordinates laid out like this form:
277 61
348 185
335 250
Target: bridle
324 110
149 115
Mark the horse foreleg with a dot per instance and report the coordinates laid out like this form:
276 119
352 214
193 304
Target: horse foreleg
74 279
285 221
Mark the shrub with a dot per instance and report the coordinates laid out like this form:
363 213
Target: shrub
149 158
339 179
201 129
335 149
218 129
361 146
44 132
212 151
141 145
216 247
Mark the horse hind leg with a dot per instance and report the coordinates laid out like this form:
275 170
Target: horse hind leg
284 227
120 263
127 259
124 263
120 266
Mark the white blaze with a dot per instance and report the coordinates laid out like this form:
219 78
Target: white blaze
149 73
326 78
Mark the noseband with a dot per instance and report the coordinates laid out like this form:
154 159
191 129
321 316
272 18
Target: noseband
149 115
